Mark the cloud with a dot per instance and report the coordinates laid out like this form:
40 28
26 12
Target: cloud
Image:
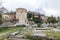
34 5
50 12
29 4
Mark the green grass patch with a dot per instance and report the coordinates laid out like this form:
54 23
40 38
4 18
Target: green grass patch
5 32
34 37
55 35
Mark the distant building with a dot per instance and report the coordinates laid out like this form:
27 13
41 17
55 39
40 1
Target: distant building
8 17
44 18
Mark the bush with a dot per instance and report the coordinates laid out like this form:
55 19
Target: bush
34 37
39 25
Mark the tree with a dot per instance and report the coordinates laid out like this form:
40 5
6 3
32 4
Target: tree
38 21
52 20
1 19
29 16
58 18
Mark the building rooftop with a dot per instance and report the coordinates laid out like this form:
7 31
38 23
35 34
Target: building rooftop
21 9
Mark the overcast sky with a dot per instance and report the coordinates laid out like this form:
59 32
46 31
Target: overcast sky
51 7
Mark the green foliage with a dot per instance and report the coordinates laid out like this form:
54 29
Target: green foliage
0 19
38 21
33 37
3 28
7 31
39 24
52 20
29 16
55 35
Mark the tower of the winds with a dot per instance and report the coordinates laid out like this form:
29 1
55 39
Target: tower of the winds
21 16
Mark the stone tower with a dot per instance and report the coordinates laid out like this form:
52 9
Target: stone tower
21 16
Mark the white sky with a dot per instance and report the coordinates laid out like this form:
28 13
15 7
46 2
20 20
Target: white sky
51 7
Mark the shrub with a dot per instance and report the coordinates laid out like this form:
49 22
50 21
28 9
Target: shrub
34 37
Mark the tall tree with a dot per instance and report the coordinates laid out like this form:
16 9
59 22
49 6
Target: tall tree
38 21
29 16
52 20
